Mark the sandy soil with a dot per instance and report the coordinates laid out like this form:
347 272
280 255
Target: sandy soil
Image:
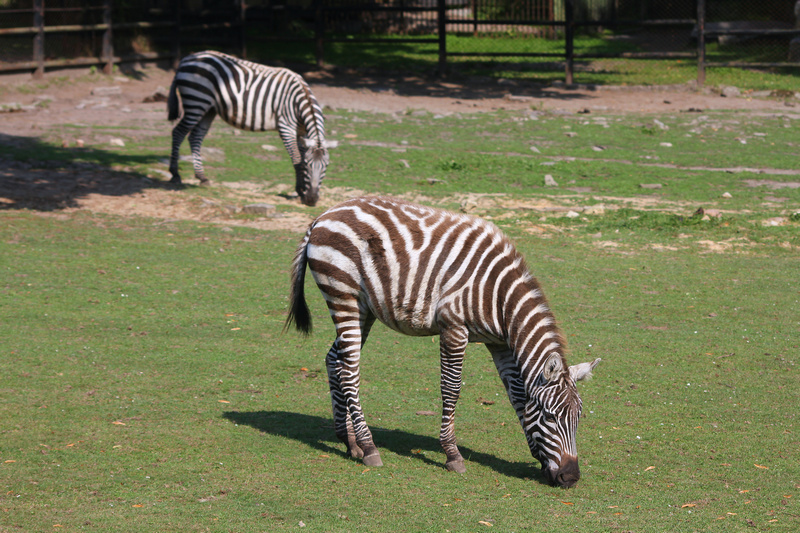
32 108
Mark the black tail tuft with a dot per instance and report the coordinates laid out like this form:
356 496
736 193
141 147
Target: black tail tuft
298 309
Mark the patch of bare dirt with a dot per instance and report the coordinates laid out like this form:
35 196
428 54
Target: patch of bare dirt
35 109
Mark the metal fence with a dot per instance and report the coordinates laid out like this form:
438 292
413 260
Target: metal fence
569 37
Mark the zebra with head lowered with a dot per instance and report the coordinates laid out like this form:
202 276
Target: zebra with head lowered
423 271
252 97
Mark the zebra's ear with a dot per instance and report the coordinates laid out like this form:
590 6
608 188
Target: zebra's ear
330 144
583 370
552 367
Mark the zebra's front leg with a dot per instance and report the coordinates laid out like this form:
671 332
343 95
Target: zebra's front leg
452 345
512 380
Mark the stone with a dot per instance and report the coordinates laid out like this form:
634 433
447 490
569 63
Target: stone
650 185
729 91
549 181
159 95
594 210
259 209
106 91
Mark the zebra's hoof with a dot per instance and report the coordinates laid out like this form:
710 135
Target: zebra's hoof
456 466
355 452
372 460
205 183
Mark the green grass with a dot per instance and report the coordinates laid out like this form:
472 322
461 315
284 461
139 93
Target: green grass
147 384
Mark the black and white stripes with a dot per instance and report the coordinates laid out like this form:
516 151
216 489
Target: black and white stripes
251 97
423 271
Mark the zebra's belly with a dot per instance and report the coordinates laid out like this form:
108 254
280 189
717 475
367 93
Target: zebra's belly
407 323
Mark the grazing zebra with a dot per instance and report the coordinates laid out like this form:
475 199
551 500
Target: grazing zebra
423 271
251 97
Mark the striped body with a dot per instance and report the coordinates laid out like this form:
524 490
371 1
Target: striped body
423 271
251 97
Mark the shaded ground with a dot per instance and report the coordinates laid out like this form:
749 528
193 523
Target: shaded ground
111 104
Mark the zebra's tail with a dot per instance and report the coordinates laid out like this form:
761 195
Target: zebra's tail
173 103
298 309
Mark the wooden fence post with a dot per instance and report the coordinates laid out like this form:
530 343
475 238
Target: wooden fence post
569 37
701 42
319 33
38 38
176 37
242 28
108 45
442 25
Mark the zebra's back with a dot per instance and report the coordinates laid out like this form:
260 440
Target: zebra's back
417 269
246 95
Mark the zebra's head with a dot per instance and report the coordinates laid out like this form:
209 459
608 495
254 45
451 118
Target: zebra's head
315 162
551 419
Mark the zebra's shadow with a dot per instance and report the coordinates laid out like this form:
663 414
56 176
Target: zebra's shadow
317 432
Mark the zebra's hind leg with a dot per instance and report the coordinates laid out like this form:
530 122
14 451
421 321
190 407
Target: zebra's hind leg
344 377
452 345
179 133
196 137
342 423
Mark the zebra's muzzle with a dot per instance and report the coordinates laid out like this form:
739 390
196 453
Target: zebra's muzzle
566 475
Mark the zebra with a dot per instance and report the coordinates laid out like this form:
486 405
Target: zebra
252 97
423 271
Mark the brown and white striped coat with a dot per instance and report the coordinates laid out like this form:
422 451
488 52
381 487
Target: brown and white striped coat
423 271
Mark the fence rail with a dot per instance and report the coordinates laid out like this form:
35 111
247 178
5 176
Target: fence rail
324 22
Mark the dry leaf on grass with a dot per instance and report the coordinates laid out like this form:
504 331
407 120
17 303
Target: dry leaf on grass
761 466
118 423
485 523
649 468
688 505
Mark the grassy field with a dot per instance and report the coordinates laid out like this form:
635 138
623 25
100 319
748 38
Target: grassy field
147 384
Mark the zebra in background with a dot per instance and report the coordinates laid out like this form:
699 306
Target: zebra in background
252 97
423 271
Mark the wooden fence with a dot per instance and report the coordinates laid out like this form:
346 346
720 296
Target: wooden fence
321 20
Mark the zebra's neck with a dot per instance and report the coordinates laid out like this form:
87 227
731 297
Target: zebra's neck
310 113
530 326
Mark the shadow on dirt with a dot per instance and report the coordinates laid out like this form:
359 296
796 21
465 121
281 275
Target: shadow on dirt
317 432
432 86
40 176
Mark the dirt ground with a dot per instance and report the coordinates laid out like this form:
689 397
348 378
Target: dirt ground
31 108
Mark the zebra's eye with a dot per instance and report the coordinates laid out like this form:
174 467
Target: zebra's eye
549 417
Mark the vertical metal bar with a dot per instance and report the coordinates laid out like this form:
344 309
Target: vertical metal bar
108 45
569 37
701 42
38 38
442 25
242 29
